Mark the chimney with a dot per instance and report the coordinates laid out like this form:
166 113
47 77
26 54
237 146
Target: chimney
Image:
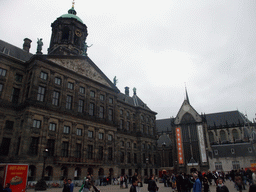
26 45
126 91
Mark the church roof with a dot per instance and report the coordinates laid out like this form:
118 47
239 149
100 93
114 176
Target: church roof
164 125
233 150
14 51
226 118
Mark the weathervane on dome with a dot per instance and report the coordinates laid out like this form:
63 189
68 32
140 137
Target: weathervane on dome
73 4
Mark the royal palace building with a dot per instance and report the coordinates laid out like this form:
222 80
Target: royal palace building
62 105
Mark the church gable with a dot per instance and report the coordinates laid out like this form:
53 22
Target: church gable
187 114
83 67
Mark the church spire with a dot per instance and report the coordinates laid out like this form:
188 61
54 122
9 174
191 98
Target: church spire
186 94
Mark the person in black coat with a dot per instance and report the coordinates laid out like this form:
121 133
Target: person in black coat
152 187
221 187
134 186
65 186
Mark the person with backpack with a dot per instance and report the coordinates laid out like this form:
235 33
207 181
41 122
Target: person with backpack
86 184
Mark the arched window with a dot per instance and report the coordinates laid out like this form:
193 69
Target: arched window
64 171
77 173
223 136
31 173
235 134
48 173
211 137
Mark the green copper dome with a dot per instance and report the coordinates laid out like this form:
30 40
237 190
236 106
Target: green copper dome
71 14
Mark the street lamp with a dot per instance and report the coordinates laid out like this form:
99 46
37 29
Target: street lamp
163 145
41 184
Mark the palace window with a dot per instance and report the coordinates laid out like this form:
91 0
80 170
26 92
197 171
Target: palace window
57 81
2 72
37 124
82 90
81 106
90 134
128 157
90 151
52 127
55 98
92 94
101 136
78 153
79 132
50 147
69 102
70 85
135 157
111 100
110 114
33 150
101 112
15 95
102 97
110 154
44 75
64 150
40 93
100 152
91 109
110 137
66 129
18 77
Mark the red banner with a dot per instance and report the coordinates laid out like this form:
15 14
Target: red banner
16 175
179 145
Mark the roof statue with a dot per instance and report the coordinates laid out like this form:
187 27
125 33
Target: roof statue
115 80
39 45
134 91
85 48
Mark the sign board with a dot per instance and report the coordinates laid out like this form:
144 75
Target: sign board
16 175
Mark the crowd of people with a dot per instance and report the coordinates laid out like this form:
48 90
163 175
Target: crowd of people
181 182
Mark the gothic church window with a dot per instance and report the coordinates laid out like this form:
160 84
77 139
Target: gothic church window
235 134
223 136
211 137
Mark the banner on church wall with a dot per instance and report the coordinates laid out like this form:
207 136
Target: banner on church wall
179 145
201 143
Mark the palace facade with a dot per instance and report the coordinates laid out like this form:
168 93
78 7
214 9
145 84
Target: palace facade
62 103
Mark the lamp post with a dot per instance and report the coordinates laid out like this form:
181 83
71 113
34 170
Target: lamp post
163 145
41 184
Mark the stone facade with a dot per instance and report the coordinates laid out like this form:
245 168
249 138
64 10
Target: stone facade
64 103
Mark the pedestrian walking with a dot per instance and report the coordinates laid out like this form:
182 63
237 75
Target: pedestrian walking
197 187
152 187
221 187
65 186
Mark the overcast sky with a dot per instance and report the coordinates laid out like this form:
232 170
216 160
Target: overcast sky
157 47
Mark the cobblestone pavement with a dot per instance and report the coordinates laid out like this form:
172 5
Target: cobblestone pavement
116 188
